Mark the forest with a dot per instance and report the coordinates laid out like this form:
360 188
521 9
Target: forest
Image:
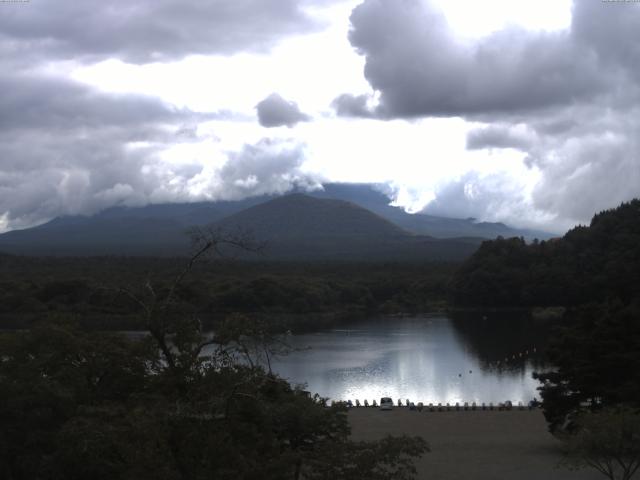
77 403
589 263
594 271
295 296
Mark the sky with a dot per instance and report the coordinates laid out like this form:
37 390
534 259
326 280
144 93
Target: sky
525 112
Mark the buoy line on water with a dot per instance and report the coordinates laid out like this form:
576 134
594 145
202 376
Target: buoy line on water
513 357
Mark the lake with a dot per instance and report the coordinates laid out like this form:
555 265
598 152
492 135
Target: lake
433 358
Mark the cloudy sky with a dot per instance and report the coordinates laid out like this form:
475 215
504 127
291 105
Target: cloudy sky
521 111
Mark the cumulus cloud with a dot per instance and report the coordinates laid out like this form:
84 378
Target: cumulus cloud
592 167
567 99
148 30
421 69
347 105
266 167
275 111
68 149
487 197
58 104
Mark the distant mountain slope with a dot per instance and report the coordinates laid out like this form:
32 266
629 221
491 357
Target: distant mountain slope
99 236
316 216
364 195
187 214
298 227
300 216
367 196
295 227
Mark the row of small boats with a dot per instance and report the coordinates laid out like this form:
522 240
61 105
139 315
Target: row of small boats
387 404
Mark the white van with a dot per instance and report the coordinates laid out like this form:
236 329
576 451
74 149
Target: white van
386 403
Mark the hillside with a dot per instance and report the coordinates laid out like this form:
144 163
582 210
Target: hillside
294 227
302 216
371 198
98 236
298 227
136 226
594 263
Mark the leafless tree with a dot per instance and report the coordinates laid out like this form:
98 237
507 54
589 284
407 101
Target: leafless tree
181 339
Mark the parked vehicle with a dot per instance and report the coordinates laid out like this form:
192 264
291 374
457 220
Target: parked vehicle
386 403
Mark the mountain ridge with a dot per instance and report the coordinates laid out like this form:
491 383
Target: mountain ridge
326 222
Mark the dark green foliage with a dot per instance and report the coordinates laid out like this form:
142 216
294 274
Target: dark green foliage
295 296
587 264
75 406
607 441
46 376
597 355
593 270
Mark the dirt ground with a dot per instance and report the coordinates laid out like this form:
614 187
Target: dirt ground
473 445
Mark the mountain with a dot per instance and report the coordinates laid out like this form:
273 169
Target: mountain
294 227
98 236
299 226
149 230
372 198
302 216
160 229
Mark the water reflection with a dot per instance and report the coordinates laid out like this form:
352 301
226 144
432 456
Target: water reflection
502 340
428 359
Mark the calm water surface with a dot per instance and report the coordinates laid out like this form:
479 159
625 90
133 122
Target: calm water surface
429 359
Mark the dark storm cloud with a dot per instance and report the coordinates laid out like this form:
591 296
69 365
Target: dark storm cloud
275 111
147 30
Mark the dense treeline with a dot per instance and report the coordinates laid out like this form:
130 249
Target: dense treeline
301 296
175 403
596 350
595 271
587 264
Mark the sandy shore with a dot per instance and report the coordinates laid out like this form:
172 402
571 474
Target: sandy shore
473 445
